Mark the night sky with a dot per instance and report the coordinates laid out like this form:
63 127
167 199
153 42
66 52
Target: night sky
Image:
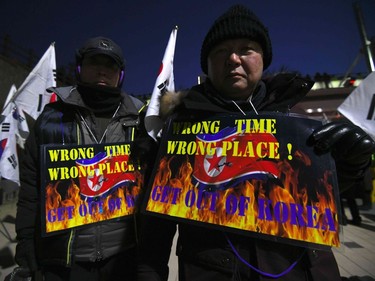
307 36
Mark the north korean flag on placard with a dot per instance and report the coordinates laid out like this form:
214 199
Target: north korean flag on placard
104 174
227 168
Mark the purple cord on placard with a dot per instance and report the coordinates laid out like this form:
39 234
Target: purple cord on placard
258 270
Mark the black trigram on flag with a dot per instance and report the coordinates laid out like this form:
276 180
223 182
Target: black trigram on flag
370 115
5 127
13 161
162 87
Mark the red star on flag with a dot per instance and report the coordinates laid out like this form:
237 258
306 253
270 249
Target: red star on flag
214 164
95 181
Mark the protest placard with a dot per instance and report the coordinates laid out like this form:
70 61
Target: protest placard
254 175
85 184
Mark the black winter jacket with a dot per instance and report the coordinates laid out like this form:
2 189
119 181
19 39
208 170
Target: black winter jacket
61 123
209 248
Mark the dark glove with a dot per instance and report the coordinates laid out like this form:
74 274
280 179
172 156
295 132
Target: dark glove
25 254
350 146
19 274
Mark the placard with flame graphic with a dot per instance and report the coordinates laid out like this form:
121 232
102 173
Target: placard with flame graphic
85 184
253 175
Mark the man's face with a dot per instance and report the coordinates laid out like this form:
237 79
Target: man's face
235 66
100 70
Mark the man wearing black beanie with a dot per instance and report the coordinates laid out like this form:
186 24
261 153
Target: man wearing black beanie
234 54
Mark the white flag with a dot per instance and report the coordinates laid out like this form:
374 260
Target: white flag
7 107
8 150
32 96
164 82
21 129
359 106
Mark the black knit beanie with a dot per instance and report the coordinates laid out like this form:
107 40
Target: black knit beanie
237 22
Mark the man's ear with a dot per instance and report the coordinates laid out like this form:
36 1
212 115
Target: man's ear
78 72
121 77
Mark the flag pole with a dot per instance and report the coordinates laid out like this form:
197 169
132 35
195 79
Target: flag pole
164 82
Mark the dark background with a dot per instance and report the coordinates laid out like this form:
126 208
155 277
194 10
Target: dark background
308 36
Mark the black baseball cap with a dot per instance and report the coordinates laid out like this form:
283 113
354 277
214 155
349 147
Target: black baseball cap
101 45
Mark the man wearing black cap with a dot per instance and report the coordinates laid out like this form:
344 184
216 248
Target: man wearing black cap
234 54
95 111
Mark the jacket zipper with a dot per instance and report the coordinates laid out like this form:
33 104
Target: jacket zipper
99 255
130 137
72 232
69 248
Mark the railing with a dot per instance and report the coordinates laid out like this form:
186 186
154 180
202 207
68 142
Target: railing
16 53
27 58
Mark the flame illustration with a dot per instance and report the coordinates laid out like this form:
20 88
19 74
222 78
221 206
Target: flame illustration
290 192
73 210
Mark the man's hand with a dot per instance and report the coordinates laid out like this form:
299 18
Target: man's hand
350 146
19 274
25 254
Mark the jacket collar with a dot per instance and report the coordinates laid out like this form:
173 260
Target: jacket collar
70 95
278 93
